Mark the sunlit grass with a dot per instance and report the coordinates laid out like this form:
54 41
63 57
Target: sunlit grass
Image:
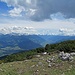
38 66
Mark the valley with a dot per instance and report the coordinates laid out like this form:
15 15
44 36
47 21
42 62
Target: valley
10 43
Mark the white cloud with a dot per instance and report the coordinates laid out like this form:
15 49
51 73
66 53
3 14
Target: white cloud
30 12
57 16
39 10
4 15
28 1
54 27
17 29
27 8
67 31
16 12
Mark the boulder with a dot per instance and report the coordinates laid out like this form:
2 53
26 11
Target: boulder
65 56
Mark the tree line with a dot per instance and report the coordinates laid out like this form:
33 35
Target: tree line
66 46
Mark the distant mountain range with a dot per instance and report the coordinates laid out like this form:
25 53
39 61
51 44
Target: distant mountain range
56 38
16 39
15 43
11 44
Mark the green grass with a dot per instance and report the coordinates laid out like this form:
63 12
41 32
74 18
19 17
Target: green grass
32 67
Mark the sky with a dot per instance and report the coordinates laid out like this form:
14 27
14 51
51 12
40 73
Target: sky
58 16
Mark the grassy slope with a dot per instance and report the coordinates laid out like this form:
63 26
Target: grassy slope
39 66
30 67
67 46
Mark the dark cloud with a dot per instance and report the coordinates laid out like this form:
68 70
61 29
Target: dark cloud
47 7
44 8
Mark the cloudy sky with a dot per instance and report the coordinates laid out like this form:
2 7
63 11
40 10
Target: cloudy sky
55 15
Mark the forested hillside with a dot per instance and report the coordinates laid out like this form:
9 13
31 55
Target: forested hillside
66 46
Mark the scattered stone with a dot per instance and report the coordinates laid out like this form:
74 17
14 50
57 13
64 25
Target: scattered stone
63 74
52 59
32 66
36 65
72 54
40 63
70 58
35 61
41 58
49 53
44 53
48 61
38 56
44 70
37 70
1 70
11 65
49 65
70 67
26 60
